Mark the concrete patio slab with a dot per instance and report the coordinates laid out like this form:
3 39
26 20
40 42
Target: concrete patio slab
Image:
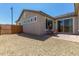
74 38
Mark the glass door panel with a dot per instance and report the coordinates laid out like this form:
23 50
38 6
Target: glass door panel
60 26
68 26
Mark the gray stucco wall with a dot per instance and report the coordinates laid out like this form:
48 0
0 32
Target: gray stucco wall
78 22
75 25
33 28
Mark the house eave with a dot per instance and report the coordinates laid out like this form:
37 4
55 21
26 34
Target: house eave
40 12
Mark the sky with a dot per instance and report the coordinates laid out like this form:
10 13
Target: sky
53 9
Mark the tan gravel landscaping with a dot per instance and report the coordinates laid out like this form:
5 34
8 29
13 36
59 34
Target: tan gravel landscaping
14 44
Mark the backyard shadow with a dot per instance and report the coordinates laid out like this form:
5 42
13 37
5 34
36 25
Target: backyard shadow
36 37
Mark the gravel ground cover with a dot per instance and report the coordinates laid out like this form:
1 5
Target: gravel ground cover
27 45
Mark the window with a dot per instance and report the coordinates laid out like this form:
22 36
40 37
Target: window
32 19
35 18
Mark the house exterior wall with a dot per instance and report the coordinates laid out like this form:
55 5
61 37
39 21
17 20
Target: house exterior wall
38 27
77 13
75 25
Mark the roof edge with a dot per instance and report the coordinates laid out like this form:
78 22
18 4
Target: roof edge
71 14
41 12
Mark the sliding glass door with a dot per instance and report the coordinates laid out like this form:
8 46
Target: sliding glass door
68 26
49 24
65 25
60 26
